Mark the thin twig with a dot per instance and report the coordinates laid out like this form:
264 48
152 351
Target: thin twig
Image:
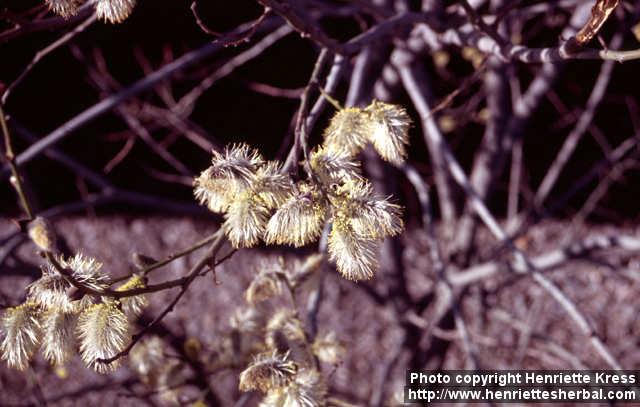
205 260
45 24
331 83
46 51
485 215
143 84
570 143
10 156
174 256
187 101
301 135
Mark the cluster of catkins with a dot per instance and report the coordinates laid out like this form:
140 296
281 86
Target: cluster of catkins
59 319
284 365
151 360
266 338
259 201
114 11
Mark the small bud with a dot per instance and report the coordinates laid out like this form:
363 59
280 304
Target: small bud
141 261
192 348
42 234
134 305
61 372
441 59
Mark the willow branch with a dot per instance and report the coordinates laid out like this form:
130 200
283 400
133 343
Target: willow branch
485 215
301 134
170 258
141 85
206 259
10 156
45 24
46 51
150 288
571 142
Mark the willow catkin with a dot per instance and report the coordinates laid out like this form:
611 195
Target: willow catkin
22 333
114 11
268 371
347 131
59 342
389 130
298 221
355 256
64 8
104 331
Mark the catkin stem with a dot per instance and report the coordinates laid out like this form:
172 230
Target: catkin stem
330 98
16 181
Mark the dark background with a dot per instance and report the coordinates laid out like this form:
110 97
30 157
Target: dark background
58 89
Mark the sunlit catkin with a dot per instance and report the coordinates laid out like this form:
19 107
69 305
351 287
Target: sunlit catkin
237 162
369 214
103 331
377 218
246 188
86 270
114 11
299 220
355 256
59 341
272 187
22 333
260 202
50 291
245 220
332 165
389 130
64 8
215 193
347 131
